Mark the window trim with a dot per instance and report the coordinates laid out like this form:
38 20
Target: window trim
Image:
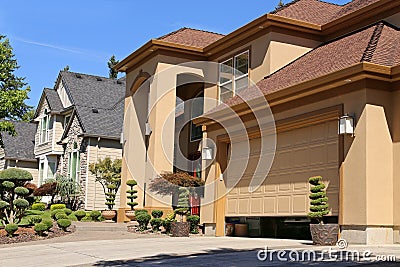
191 118
43 139
234 78
44 171
78 163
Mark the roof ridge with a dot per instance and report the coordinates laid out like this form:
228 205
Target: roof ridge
372 44
187 28
91 75
295 1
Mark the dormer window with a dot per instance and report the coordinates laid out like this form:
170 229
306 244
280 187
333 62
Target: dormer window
233 76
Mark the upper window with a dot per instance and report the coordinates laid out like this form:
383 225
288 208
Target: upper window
233 76
196 132
44 129
66 120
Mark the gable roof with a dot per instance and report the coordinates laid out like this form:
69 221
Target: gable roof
378 44
53 99
319 12
191 37
98 102
21 146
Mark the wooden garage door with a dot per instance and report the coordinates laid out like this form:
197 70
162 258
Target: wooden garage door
300 154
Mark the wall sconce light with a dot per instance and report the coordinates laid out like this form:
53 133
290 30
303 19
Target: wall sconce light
346 125
207 153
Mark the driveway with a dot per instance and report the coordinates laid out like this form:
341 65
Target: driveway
111 245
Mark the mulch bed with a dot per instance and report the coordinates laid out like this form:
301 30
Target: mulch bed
26 234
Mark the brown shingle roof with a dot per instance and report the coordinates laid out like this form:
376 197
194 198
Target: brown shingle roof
191 37
319 12
377 44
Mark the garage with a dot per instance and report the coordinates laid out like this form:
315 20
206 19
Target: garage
301 152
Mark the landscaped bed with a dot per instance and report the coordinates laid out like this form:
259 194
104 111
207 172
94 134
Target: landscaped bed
26 234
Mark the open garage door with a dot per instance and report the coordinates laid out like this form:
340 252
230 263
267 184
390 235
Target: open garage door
300 153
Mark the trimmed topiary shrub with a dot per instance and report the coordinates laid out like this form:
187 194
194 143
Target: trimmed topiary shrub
55 212
72 217
64 224
48 223
318 200
61 215
194 221
94 215
11 229
57 207
131 194
155 224
183 202
21 191
39 206
157 213
143 219
137 212
79 214
34 219
21 203
40 228
67 211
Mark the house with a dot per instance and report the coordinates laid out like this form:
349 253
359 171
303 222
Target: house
79 122
17 151
315 63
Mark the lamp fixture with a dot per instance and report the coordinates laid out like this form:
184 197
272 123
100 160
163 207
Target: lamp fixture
346 125
207 153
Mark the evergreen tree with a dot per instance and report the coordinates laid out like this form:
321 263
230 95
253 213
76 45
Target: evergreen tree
12 91
111 63
66 68
280 5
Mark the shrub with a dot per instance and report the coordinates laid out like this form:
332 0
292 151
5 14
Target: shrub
155 224
80 214
72 217
137 212
61 215
21 203
21 191
38 206
40 228
55 212
57 207
34 219
67 211
11 229
167 222
132 194
48 223
64 224
33 212
319 202
94 215
15 174
157 213
194 221
143 220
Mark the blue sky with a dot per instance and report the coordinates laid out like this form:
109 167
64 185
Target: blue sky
47 35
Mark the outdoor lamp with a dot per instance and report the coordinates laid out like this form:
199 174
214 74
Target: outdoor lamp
346 125
207 153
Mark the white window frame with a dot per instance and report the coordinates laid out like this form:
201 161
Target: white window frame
44 166
44 133
65 120
233 79
78 163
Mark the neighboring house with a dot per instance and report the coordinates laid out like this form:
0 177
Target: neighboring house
314 62
80 122
17 151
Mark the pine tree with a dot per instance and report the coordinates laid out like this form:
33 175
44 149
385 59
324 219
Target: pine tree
111 63
280 5
12 91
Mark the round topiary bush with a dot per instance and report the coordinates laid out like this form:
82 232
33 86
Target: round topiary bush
61 215
40 228
137 212
21 203
22 191
157 213
38 206
34 219
95 214
143 219
11 229
3 204
64 224
55 212
8 184
48 223
16 174
72 217
80 214
155 224
67 211
194 221
57 207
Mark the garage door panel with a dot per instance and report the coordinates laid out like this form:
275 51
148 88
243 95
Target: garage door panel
300 154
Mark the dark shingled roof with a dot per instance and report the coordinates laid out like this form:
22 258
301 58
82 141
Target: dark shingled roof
319 12
53 99
379 44
99 102
191 37
20 146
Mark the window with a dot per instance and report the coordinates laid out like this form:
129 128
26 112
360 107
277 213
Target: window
47 169
74 164
233 76
196 132
41 172
45 127
66 120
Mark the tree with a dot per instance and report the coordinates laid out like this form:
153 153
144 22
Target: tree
319 202
12 93
29 115
111 63
66 68
280 5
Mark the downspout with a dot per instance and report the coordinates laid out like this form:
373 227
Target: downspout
95 185
87 173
